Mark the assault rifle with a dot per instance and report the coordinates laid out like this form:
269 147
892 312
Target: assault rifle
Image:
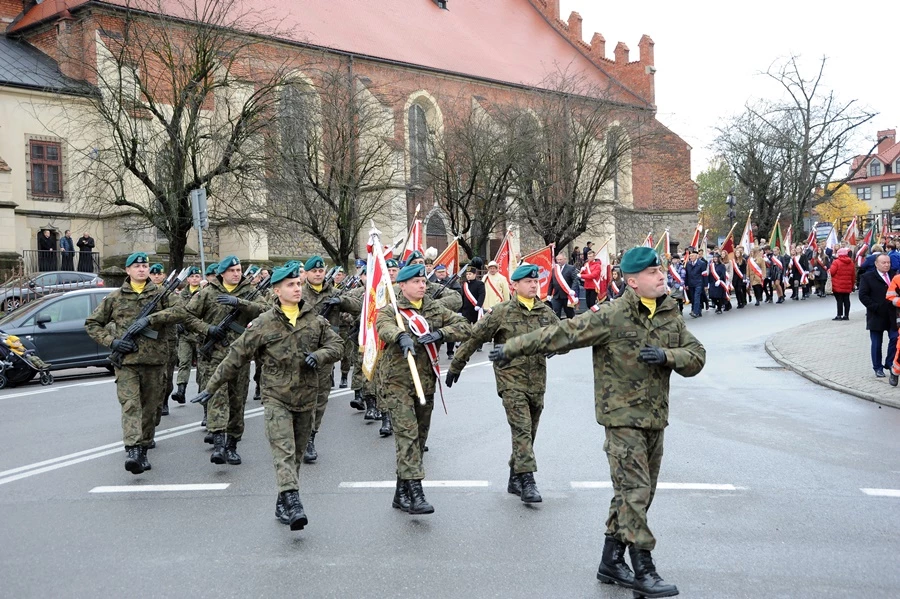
229 321
449 281
345 285
172 283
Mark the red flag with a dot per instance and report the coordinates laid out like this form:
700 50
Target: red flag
415 241
811 241
695 240
852 232
504 255
728 246
376 297
543 259
866 243
449 257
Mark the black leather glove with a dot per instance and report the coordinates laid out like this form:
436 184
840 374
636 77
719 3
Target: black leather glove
432 337
497 355
227 300
332 301
202 398
123 346
139 325
311 361
215 332
452 377
406 344
180 328
652 355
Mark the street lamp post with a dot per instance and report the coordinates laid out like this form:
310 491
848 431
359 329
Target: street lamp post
730 201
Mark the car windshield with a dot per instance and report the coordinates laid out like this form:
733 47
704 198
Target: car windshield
27 309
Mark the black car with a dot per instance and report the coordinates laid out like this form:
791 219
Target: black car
27 289
54 326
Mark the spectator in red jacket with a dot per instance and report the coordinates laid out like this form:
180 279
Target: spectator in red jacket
843 280
593 277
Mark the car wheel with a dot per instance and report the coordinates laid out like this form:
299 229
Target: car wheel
11 304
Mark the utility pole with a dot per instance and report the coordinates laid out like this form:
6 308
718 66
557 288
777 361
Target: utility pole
730 201
201 220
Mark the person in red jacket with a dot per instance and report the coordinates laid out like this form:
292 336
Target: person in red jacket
843 280
594 278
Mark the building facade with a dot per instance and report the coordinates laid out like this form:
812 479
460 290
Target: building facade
878 176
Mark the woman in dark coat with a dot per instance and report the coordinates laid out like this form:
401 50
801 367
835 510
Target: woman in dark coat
717 292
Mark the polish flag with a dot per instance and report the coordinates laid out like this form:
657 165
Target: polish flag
376 297
504 255
648 243
811 241
747 240
852 233
866 243
695 240
415 241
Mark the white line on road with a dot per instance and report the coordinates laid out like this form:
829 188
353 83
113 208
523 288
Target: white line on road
51 389
591 484
389 484
158 488
882 492
14 474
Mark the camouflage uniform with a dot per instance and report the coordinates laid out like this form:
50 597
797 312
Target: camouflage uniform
351 345
289 387
451 301
171 361
523 404
631 396
140 379
225 410
398 393
316 299
187 344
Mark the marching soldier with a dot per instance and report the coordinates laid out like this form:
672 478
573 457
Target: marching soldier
523 404
319 294
187 341
387 427
451 301
205 312
210 274
431 323
637 342
158 277
291 342
140 378
359 383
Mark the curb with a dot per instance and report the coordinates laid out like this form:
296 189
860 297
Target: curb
815 378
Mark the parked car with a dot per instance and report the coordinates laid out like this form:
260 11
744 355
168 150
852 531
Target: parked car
54 326
23 290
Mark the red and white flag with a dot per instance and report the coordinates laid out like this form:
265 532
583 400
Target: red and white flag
605 265
504 255
376 297
648 243
811 242
852 232
695 240
415 241
866 244
543 259
449 258
789 239
747 240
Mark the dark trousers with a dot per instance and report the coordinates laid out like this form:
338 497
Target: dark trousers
696 295
590 297
758 292
560 306
740 292
843 303
877 338
767 287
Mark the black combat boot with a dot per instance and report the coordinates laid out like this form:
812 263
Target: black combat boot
613 569
152 444
387 429
370 409
357 401
280 512
417 502
210 438
133 459
231 454
165 407
514 486
332 377
179 395
529 488
401 496
203 422
311 455
343 384
647 583
294 510
257 396
145 463
218 453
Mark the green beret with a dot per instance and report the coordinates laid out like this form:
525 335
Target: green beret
288 271
526 271
136 258
314 262
293 264
416 255
156 269
193 270
227 263
211 269
408 272
637 259
391 263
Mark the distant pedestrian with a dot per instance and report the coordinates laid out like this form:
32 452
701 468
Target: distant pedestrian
592 279
85 253
46 251
561 283
843 280
881 315
67 249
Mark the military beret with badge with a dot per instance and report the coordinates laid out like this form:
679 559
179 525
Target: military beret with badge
136 258
410 272
637 259
526 271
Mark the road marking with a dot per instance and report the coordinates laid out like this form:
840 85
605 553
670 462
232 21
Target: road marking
51 389
882 492
390 484
158 488
14 474
591 484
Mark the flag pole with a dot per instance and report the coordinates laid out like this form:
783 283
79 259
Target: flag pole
410 360
409 232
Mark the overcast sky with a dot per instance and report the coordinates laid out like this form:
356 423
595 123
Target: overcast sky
709 55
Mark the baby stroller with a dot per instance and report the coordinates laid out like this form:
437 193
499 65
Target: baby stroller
18 363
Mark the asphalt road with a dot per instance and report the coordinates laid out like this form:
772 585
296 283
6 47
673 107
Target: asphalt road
783 513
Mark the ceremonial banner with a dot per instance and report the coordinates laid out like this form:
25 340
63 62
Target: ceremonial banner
695 240
543 259
852 233
449 258
775 240
789 239
414 244
866 243
648 243
747 240
504 255
831 241
375 298
811 241
605 265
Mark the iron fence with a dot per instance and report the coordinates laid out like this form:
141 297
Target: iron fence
36 261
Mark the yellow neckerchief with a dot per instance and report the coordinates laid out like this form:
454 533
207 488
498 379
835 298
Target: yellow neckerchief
193 288
417 305
527 302
229 288
138 287
292 313
317 288
650 304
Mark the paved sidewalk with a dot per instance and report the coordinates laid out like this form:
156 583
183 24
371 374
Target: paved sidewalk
834 354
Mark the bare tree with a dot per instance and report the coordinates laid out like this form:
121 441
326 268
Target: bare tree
184 92
580 141
334 162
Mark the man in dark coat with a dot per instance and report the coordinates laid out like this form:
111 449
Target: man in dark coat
46 251
558 297
85 248
67 247
473 297
695 276
881 315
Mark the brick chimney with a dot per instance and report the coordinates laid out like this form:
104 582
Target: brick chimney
891 135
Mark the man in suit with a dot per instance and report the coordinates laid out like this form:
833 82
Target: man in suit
695 275
881 315
559 298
